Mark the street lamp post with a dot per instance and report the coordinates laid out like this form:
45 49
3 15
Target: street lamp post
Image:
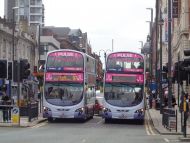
112 44
161 22
169 57
18 62
151 25
13 40
13 49
156 41
105 52
141 46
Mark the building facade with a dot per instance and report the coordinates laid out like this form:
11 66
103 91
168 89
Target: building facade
24 44
180 28
69 38
31 10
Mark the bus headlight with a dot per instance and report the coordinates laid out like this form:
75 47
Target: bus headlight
80 110
46 109
140 111
106 110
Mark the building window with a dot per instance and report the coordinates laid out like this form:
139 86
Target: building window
9 52
4 49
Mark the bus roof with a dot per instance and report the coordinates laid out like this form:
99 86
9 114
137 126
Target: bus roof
125 52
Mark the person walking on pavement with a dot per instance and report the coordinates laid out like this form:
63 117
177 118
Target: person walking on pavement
188 104
5 99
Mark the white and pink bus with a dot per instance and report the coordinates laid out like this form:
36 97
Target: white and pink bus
124 84
69 85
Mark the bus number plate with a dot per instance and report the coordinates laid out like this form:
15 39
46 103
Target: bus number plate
123 116
62 115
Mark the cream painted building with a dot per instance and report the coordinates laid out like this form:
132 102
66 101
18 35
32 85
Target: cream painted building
24 47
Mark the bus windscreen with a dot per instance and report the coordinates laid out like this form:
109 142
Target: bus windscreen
125 62
65 61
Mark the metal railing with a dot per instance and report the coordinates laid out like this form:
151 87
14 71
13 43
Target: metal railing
30 111
169 119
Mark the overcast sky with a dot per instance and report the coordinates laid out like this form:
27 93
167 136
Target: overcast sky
103 20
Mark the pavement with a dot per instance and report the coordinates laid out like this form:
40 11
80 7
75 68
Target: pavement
156 120
24 122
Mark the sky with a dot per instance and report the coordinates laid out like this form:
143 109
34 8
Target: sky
124 21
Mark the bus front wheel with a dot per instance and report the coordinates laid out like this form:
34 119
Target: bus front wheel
107 120
50 119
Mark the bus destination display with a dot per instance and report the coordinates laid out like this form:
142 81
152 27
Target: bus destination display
74 77
131 78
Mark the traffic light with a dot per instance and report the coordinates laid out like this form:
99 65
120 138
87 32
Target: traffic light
187 61
15 69
182 69
165 72
186 52
35 69
24 69
179 72
3 68
41 64
9 70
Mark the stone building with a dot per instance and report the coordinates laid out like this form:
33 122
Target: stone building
180 28
24 44
69 38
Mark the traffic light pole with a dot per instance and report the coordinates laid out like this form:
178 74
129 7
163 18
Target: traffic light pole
13 53
18 89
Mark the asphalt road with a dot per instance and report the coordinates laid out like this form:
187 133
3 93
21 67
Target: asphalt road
91 131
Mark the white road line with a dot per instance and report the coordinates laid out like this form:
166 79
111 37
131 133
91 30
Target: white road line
150 129
166 140
99 122
39 125
83 141
147 131
146 127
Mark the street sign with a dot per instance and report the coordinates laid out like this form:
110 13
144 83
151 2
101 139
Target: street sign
15 115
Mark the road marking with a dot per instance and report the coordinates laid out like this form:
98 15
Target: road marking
146 127
150 129
166 140
150 126
147 131
99 122
39 125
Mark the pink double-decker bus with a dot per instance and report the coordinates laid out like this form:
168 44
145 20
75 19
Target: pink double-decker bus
124 83
69 85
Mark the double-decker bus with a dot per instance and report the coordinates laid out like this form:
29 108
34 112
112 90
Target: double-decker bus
124 85
69 85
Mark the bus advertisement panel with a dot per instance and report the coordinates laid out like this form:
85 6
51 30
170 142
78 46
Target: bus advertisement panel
67 93
124 86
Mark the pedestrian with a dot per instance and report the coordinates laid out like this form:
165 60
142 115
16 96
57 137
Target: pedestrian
5 102
173 101
188 101
150 100
184 99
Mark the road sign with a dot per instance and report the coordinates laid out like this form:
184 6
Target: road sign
15 115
